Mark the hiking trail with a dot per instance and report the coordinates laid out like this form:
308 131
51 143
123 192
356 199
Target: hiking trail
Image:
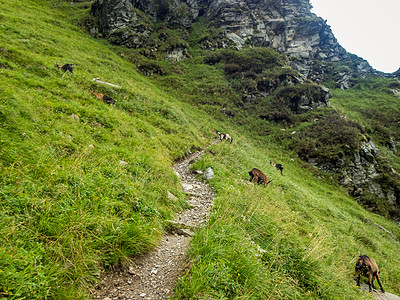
153 275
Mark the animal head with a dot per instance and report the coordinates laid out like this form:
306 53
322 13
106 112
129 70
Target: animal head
98 95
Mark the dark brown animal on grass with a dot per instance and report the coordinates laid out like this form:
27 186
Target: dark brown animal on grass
278 166
258 176
367 267
104 98
66 67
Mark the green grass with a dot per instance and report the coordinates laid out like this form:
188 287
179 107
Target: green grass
312 234
371 104
70 207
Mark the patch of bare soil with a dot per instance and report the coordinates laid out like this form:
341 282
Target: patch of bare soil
153 275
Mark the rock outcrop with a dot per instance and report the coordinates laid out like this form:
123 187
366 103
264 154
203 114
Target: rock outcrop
285 25
364 175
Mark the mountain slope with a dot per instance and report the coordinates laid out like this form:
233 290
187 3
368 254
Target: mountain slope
69 203
239 39
85 185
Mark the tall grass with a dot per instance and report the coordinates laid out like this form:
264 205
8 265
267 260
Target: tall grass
309 231
84 186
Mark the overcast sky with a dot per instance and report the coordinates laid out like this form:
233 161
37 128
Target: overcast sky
367 28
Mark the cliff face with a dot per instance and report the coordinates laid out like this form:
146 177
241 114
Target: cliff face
285 25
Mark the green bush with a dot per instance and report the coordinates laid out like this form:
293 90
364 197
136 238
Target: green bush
331 137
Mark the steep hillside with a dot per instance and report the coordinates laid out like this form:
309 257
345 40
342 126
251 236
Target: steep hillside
240 39
85 185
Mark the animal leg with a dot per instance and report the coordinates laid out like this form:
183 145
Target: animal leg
251 176
370 282
379 281
358 278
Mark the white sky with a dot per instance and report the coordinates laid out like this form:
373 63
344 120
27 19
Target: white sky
367 28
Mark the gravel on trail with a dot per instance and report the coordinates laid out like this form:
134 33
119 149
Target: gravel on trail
153 275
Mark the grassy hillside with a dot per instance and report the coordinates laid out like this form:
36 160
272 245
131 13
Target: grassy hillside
69 205
372 104
85 186
311 233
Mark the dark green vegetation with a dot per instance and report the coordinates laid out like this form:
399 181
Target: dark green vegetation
70 207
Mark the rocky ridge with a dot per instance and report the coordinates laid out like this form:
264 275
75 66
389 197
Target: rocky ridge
363 173
288 26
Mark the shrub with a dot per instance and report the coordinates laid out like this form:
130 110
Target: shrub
163 7
250 61
331 137
292 95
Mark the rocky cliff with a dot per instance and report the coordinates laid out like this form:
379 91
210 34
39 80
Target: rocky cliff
285 25
368 178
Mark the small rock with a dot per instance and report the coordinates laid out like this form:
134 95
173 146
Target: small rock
74 117
208 174
153 271
172 197
122 163
184 232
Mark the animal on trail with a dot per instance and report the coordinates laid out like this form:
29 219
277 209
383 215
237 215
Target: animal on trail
224 136
367 267
278 166
258 176
66 67
104 98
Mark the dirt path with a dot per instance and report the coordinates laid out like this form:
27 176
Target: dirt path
153 276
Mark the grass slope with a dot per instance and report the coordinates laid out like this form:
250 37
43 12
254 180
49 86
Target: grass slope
70 206
310 233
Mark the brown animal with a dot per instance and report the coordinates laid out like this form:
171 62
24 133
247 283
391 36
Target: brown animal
367 267
104 98
278 166
258 176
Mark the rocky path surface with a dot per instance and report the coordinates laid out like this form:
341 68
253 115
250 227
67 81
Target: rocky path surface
153 275
377 294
